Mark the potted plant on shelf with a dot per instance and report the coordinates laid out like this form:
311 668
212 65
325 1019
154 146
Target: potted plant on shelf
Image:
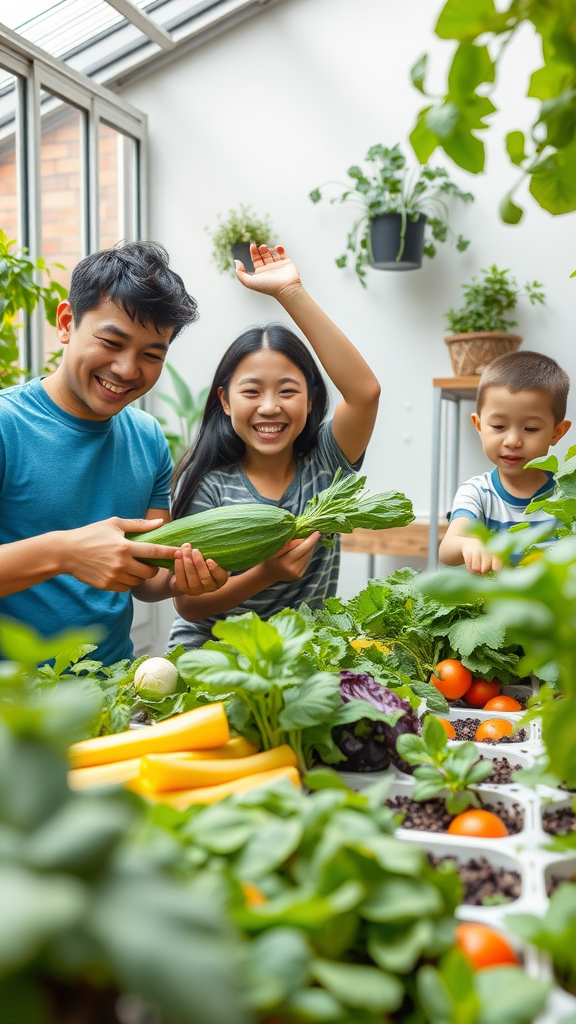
480 329
232 237
396 205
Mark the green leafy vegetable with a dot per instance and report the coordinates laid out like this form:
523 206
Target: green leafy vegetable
441 771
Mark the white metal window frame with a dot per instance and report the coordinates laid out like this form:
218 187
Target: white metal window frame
36 70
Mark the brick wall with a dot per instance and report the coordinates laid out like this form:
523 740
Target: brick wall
62 229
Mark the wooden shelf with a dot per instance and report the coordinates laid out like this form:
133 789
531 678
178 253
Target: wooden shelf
409 540
457 388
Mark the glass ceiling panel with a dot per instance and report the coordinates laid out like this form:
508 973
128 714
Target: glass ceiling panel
91 36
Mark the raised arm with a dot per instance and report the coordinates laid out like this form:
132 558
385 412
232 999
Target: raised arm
276 275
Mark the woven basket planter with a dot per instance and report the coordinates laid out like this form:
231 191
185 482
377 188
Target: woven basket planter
471 353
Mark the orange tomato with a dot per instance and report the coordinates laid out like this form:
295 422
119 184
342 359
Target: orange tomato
494 729
483 946
502 703
481 691
448 728
254 896
454 679
479 823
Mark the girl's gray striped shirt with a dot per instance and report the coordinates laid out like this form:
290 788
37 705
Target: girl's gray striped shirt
230 486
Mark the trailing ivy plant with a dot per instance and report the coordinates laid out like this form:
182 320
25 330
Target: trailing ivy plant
546 154
389 186
488 301
21 290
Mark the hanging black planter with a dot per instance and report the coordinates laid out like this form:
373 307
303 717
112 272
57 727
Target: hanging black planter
241 251
391 251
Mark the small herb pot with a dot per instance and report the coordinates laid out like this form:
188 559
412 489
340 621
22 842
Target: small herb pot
241 251
391 251
471 353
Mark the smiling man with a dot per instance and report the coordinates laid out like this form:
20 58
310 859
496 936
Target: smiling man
80 465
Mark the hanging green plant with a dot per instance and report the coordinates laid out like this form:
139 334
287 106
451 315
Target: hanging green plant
401 202
236 232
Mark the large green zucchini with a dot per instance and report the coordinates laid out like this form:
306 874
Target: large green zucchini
235 536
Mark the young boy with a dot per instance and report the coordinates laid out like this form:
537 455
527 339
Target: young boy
80 465
520 410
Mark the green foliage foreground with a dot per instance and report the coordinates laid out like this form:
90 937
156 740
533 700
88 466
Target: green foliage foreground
101 895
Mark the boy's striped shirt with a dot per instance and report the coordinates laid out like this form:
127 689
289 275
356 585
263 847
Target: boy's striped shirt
483 499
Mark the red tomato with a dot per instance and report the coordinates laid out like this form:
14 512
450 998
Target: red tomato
481 691
483 946
454 679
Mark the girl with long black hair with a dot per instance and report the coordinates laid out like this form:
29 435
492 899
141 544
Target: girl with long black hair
264 438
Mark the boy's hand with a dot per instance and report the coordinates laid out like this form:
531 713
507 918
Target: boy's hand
292 561
274 274
194 577
477 559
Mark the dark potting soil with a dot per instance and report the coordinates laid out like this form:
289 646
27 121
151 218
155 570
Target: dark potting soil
484 884
501 775
465 729
555 881
432 816
559 821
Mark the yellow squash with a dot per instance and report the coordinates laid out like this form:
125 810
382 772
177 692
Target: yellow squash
117 772
185 798
162 772
200 729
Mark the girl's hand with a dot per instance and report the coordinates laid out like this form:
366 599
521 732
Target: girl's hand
193 577
292 560
274 274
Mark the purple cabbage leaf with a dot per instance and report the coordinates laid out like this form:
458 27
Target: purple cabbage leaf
368 740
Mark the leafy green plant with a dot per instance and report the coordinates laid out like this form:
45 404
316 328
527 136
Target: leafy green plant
555 934
562 503
538 604
343 921
546 156
454 994
188 409
89 911
388 186
399 634
20 290
488 301
273 695
240 225
441 771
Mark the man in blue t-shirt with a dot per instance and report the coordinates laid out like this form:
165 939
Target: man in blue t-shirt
80 465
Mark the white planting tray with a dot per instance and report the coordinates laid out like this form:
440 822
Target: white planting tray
524 852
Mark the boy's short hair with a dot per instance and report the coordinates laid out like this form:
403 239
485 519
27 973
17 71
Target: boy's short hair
527 371
136 276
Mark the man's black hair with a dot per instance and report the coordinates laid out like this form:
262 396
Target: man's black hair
136 276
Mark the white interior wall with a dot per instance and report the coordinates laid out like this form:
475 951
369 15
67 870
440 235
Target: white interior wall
289 100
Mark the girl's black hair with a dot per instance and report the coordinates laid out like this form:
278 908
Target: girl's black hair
218 444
